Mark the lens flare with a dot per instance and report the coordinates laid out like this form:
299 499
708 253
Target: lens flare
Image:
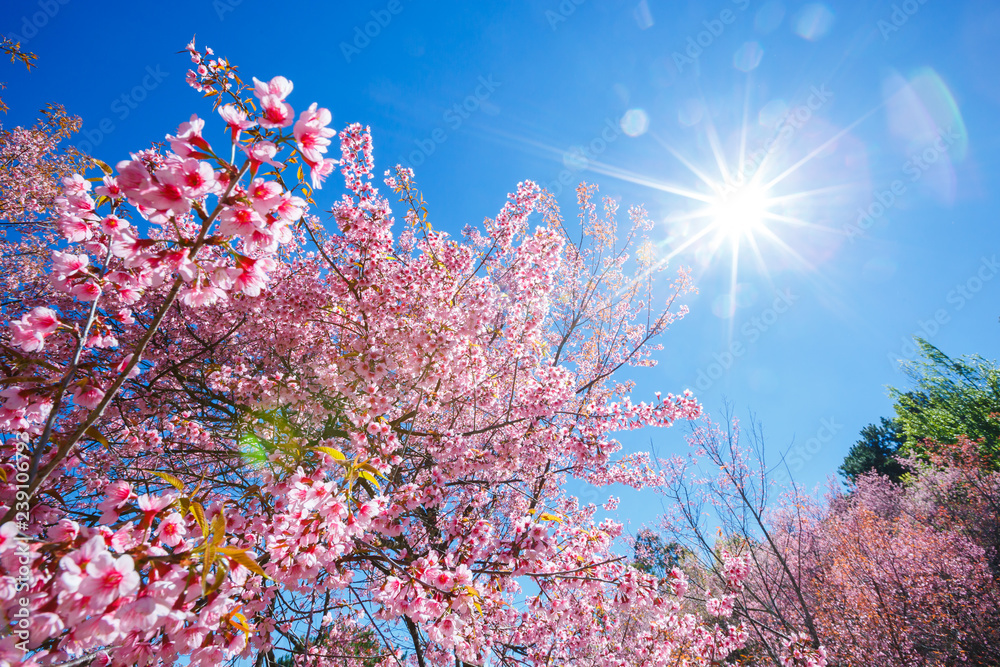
739 214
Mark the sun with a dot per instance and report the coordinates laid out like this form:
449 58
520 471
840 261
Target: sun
739 213
764 200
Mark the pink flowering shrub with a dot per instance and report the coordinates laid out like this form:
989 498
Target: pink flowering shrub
892 574
914 565
230 435
897 591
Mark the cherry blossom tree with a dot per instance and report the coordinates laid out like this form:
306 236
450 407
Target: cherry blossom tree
720 497
892 574
32 165
891 588
231 434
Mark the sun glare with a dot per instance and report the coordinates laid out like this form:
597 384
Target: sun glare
752 202
740 213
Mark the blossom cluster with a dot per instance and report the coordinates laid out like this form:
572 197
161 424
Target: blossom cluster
240 423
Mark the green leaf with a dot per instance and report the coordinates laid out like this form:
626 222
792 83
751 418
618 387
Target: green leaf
244 559
165 476
369 468
209 558
370 477
218 529
96 435
104 167
220 576
199 515
335 453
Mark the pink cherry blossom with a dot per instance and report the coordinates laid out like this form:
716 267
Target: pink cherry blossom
240 221
88 396
179 262
378 416
319 173
66 264
133 177
112 225
8 536
261 152
167 192
86 291
66 530
265 196
279 87
43 320
171 530
200 295
109 189
252 275
45 625
150 506
74 565
277 112
75 229
290 208
75 185
312 134
189 137
197 178
118 494
236 119
30 331
109 578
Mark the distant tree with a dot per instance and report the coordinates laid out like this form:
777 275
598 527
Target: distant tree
893 585
950 398
893 575
32 166
875 451
336 643
655 555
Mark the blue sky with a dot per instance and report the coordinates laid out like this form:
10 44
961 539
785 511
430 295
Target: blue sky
877 107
